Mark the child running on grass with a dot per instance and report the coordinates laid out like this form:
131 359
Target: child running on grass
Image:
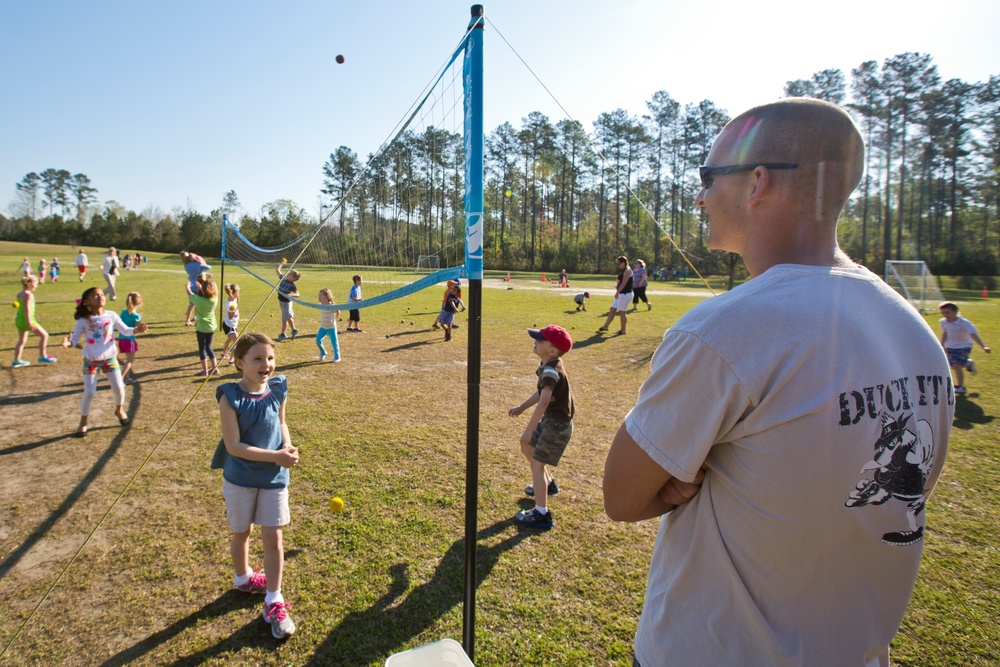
54 270
957 336
94 328
42 270
354 315
204 319
127 345
451 306
255 454
230 319
328 326
551 425
26 323
444 302
286 288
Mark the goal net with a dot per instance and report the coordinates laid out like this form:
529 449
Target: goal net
427 263
915 282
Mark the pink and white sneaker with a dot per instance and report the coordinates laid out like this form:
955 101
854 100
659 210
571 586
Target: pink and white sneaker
257 583
282 625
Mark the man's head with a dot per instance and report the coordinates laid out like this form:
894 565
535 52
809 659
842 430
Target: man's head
794 160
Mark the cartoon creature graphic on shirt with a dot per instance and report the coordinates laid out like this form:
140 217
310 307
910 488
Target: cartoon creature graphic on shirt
903 460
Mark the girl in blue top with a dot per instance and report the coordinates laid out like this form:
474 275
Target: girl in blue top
255 453
127 345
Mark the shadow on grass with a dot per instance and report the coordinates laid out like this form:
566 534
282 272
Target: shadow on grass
968 414
390 623
193 354
75 494
17 449
593 338
413 345
24 399
253 634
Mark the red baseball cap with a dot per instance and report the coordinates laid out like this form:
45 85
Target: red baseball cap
554 334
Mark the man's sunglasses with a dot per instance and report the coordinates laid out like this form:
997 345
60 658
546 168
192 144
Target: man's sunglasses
708 174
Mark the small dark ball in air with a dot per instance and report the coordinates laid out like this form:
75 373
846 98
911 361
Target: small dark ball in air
340 60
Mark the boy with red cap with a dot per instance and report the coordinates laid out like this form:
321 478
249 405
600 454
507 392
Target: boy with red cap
551 425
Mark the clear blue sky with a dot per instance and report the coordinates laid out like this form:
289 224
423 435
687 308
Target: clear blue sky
174 104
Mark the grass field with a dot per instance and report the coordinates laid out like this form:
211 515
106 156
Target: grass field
385 430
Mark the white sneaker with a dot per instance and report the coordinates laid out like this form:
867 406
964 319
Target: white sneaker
970 366
961 390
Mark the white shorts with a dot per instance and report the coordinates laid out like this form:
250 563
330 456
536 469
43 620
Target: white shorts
246 506
622 301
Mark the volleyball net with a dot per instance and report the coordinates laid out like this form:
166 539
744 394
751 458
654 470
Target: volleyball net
402 211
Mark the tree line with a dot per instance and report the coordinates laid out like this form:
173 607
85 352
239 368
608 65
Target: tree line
557 196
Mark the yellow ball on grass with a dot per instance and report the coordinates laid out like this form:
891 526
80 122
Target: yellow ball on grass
336 504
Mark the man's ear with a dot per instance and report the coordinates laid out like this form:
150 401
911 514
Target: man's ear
762 184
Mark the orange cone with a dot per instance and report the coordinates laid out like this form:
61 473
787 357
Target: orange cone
507 279
986 292
543 277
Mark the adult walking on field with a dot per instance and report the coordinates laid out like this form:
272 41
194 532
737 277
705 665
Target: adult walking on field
623 295
640 279
110 268
81 263
194 266
813 406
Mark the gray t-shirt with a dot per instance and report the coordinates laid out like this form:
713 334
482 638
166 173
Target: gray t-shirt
820 402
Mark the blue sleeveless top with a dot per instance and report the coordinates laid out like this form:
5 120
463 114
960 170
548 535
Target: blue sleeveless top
260 426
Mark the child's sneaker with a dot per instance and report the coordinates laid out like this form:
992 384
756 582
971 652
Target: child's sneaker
534 519
295 332
322 357
282 624
280 338
970 366
128 380
257 583
49 359
20 363
959 389
553 489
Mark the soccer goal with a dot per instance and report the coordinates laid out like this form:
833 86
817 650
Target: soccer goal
915 282
427 263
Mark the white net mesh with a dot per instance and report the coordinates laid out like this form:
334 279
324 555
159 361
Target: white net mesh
915 282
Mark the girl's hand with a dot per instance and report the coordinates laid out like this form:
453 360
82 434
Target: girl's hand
288 456
66 341
141 328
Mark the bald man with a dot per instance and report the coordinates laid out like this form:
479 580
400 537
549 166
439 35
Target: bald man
790 430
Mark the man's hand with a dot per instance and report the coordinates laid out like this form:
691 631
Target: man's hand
676 492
